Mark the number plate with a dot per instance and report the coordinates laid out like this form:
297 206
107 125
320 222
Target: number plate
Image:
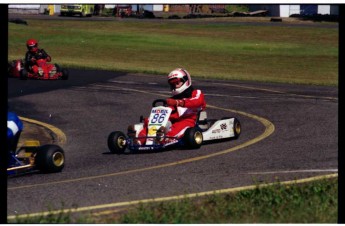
159 117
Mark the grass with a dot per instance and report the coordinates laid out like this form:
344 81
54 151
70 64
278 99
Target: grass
302 55
313 202
237 8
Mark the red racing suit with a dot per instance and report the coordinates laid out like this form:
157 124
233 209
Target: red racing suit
31 58
184 117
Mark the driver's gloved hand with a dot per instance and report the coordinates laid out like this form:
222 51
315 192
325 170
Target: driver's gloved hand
174 102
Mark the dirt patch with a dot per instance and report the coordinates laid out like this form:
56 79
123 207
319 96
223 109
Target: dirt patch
35 132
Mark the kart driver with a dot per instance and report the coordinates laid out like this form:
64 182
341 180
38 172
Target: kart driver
14 128
185 102
33 54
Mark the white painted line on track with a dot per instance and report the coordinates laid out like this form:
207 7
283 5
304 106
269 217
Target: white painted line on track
276 91
123 82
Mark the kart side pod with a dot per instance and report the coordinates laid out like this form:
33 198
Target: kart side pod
223 129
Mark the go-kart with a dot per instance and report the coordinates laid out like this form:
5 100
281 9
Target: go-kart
46 71
32 157
205 130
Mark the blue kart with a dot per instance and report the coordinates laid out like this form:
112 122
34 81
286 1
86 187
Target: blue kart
32 157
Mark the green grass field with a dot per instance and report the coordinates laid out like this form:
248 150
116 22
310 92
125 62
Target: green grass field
302 55
313 202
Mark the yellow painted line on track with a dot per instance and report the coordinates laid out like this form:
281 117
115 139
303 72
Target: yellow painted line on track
170 198
61 137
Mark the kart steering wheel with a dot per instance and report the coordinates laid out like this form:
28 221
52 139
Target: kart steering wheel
163 101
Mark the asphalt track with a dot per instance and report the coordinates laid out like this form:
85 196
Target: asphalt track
289 132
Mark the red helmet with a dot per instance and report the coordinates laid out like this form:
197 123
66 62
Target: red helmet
32 45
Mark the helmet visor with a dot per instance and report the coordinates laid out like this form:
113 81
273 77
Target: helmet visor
32 48
175 83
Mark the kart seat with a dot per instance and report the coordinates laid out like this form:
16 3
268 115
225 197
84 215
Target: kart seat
202 120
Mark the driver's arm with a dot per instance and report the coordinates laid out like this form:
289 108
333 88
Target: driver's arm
45 55
198 100
28 57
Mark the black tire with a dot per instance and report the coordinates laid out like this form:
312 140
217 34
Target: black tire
193 138
115 142
65 74
50 158
23 74
237 128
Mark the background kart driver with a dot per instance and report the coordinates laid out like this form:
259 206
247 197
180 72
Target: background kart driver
33 54
185 102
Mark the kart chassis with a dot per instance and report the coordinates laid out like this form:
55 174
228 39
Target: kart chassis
205 130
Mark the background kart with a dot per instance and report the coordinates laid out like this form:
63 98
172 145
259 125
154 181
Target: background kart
205 130
32 157
46 71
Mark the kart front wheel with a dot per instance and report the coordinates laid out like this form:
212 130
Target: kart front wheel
193 138
50 158
117 142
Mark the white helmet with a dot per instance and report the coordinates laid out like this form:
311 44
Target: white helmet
176 76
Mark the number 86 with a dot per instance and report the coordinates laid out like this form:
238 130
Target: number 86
158 117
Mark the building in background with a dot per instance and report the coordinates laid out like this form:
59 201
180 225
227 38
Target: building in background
27 9
304 9
274 10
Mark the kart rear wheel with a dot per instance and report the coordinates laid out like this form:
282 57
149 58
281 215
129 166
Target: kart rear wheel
50 158
193 138
237 128
117 142
23 74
